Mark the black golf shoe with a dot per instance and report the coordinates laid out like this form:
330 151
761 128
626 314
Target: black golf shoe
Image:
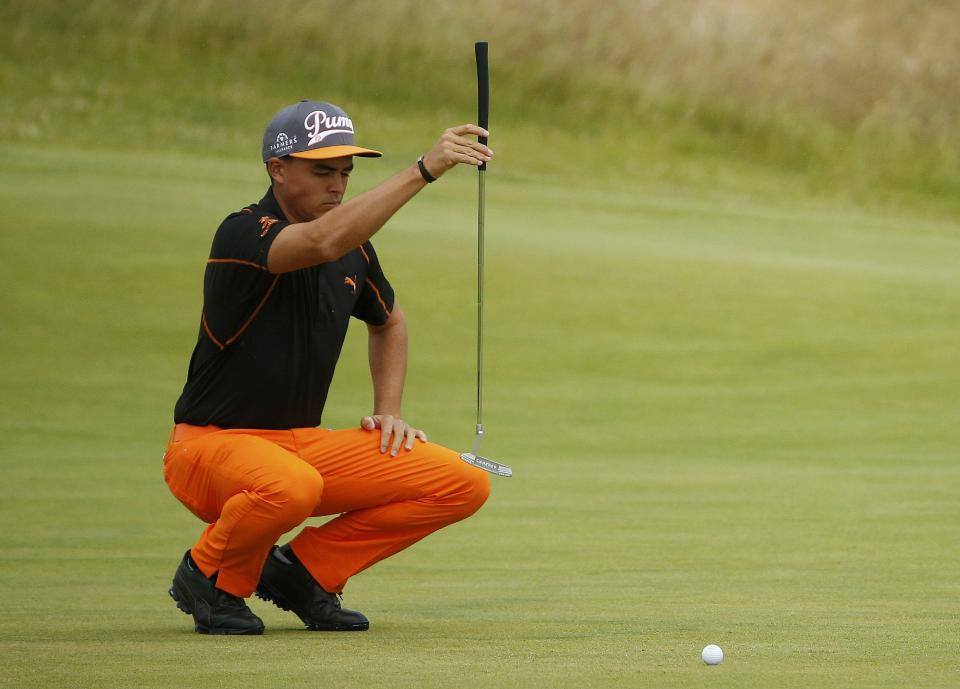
214 611
286 583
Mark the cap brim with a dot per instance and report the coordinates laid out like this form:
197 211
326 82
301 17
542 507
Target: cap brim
336 152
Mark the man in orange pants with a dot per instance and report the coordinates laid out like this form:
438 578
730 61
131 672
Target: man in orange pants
245 455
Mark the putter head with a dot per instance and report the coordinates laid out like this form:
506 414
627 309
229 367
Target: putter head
486 464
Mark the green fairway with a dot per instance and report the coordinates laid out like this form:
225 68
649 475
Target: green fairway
731 422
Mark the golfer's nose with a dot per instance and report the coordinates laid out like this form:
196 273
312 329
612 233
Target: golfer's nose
338 183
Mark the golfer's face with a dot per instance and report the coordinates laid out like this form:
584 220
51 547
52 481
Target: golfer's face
315 187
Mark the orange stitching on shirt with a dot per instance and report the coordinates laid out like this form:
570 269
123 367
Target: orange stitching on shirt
254 314
237 260
203 318
379 298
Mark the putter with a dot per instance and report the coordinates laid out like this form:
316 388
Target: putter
483 103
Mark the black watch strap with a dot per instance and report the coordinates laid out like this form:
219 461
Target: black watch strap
423 171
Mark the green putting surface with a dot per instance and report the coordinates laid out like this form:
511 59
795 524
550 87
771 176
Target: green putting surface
722 336
731 421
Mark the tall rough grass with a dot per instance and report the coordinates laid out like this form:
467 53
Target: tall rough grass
849 94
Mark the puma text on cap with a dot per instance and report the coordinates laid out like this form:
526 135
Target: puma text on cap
312 129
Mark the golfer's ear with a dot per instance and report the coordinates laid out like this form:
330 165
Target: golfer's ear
275 169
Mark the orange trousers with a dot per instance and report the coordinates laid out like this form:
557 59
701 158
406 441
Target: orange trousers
251 486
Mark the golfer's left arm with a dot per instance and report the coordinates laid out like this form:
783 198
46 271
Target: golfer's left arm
387 350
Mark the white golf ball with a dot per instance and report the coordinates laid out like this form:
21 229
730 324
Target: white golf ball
712 654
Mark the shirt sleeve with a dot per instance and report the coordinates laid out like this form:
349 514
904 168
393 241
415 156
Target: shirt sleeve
375 300
236 281
246 238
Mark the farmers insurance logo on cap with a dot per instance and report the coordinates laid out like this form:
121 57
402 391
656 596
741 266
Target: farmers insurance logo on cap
312 129
283 145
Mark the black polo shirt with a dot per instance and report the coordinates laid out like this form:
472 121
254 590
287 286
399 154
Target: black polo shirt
269 344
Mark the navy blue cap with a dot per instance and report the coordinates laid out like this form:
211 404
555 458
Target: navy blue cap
312 129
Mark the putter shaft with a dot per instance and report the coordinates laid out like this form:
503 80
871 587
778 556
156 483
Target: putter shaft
483 97
480 214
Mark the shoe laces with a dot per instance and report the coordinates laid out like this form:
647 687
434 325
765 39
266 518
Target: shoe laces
229 600
327 599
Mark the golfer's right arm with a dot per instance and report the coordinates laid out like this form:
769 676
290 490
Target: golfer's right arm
346 227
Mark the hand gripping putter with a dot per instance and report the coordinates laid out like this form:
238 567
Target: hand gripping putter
483 102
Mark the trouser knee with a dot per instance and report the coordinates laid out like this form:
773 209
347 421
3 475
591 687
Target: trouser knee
474 491
294 496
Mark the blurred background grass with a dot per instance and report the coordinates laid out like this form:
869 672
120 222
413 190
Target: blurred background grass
723 304
849 97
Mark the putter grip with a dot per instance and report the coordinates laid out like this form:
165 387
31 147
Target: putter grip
483 91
